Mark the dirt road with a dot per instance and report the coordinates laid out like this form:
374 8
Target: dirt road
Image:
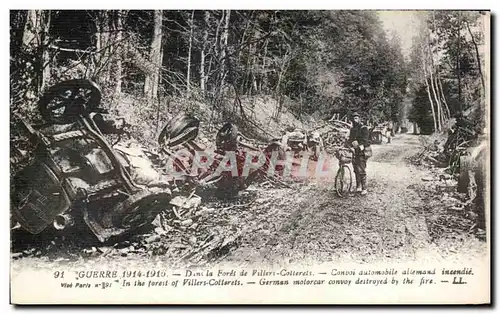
308 223
389 224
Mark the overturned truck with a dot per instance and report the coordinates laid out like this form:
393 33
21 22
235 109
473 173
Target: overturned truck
76 175
231 167
78 178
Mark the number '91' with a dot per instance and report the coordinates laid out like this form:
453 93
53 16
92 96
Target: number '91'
59 274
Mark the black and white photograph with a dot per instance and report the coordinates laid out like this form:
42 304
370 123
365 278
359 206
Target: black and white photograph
251 152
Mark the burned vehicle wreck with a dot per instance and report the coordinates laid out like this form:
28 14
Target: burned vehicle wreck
76 175
233 164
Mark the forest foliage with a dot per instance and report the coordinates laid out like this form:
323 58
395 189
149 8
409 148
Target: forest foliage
449 70
324 61
315 62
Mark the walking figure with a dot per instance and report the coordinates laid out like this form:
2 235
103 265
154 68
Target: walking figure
359 140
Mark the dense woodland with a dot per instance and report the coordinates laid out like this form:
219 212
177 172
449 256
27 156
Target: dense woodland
314 62
448 70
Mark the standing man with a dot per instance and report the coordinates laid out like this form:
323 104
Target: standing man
390 130
359 140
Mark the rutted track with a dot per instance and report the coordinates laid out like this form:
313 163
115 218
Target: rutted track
309 223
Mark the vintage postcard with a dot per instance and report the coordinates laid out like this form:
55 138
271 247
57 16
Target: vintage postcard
250 157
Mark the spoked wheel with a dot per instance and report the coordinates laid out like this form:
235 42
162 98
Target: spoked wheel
180 129
140 209
64 102
128 215
343 181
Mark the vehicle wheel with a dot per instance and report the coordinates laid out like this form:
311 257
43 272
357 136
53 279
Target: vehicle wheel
179 129
343 181
64 102
140 209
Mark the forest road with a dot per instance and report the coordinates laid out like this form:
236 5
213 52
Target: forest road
306 224
313 225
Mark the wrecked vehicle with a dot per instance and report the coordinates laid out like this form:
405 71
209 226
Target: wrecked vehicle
295 140
225 166
315 144
77 176
377 134
177 142
298 141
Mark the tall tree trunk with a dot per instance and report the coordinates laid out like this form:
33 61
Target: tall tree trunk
432 82
438 103
263 75
203 52
478 59
246 77
188 74
153 79
215 56
244 36
217 33
428 90
431 103
253 63
443 114
35 42
283 68
103 46
119 37
459 76
45 51
223 52
440 89
225 36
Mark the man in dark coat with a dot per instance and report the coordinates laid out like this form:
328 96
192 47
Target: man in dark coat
359 140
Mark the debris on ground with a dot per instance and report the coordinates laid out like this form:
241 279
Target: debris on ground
454 212
445 150
266 225
458 162
334 133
